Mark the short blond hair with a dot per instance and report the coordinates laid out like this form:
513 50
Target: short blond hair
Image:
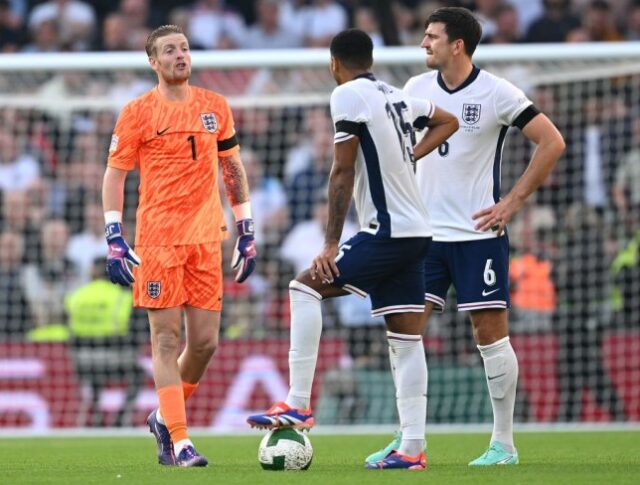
162 31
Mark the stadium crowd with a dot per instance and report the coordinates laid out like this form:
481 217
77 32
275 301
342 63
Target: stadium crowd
105 25
571 246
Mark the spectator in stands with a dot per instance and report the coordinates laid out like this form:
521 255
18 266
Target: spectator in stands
18 169
599 21
633 21
528 11
269 201
554 24
625 276
88 245
141 19
17 219
15 316
306 238
583 317
44 38
506 26
304 186
102 345
626 188
82 177
322 19
48 281
531 286
181 17
268 32
10 34
116 33
214 26
364 19
486 11
314 142
75 19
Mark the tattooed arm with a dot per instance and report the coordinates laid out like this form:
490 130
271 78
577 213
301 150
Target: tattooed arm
235 179
243 260
340 190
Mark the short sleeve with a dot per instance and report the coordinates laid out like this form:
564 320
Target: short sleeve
348 112
227 140
510 101
422 111
125 140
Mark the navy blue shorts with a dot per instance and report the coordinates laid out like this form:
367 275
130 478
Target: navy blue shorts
478 270
390 270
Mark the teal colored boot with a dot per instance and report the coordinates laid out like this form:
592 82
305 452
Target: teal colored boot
496 455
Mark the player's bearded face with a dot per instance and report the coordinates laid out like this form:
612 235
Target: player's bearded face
173 59
435 42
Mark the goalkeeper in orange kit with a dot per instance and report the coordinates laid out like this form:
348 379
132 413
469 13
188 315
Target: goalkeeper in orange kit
178 136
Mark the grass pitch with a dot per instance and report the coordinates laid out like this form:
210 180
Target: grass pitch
575 457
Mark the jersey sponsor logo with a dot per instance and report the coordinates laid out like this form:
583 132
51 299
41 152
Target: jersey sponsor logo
162 132
209 121
113 146
487 293
471 113
153 289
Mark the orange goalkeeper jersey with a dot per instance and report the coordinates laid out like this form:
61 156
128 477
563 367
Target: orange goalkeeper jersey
176 145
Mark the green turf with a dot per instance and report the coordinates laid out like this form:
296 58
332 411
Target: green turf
580 457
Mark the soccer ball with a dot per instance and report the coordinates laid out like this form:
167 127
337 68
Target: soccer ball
285 449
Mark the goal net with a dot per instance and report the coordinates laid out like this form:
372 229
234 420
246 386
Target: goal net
575 272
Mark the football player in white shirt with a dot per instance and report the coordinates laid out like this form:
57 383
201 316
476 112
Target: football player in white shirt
374 162
460 184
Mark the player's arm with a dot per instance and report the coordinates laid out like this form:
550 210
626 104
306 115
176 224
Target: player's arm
341 182
237 190
549 146
113 189
120 256
442 125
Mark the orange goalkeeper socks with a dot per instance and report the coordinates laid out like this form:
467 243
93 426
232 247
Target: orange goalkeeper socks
188 389
171 399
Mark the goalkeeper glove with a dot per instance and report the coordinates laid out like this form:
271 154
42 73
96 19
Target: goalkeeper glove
244 253
120 257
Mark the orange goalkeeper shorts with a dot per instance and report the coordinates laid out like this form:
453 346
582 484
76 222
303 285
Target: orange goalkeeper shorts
172 276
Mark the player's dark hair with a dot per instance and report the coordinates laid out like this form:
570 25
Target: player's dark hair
459 23
354 48
161 31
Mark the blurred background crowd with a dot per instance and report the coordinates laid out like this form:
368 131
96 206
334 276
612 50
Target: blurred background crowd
107 25
575 270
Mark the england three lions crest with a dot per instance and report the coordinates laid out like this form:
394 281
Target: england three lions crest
153 289
471 113
209 121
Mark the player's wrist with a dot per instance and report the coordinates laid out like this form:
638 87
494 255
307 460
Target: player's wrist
112 231
242 211
245 227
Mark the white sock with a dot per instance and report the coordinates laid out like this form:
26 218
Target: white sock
159 417
177 447
306 326
408 358
501 369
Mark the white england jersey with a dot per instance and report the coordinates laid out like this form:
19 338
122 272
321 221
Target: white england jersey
462 176
387 198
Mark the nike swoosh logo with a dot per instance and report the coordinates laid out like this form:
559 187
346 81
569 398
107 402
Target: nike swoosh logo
495 377
162 132
487 293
